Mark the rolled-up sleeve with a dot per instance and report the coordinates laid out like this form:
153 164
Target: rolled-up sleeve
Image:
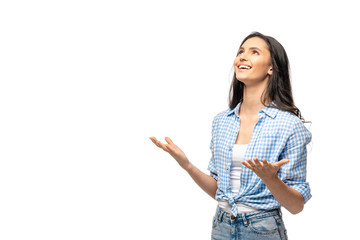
293 173
212 166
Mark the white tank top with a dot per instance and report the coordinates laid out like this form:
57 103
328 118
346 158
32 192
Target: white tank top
238 156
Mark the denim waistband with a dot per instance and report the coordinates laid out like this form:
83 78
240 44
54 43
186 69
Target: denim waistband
221 215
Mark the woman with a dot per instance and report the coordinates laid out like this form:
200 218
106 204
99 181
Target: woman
258 147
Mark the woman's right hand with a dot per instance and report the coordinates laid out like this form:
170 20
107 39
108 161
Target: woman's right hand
174 151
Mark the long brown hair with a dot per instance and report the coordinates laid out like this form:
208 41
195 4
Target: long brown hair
278 89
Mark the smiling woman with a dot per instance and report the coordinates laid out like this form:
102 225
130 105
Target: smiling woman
258 146
252 63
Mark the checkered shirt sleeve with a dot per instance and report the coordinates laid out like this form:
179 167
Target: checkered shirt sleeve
212 167
293 173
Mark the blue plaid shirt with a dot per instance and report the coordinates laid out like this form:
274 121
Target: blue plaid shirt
277 134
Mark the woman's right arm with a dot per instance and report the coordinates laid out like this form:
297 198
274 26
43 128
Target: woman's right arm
205 182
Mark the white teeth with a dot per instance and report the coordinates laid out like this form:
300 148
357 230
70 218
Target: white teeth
244 67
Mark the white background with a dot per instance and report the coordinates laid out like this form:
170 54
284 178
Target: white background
84 84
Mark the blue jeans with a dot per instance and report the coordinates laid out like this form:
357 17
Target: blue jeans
259 225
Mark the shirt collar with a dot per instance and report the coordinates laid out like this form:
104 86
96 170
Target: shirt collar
269 110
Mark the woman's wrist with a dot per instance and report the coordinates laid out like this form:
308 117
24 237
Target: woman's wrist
269 180
188 167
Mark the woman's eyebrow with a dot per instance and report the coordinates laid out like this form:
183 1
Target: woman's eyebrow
251 48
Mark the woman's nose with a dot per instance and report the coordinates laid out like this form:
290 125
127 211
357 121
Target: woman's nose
242 58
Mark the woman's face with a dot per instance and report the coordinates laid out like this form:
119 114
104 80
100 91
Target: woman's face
252 63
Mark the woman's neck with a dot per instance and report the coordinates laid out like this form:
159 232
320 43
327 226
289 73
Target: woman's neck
252 103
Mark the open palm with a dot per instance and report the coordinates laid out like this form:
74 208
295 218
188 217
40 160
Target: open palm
173 150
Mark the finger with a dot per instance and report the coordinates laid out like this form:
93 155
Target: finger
154 140
159 144
170 148
168 140
265 162
163 146
246 165
166 148
257 162
281 162
251 163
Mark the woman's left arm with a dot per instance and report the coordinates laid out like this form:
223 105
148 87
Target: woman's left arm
288 186
288 197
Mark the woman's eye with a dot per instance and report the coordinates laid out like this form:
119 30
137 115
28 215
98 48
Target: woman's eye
256 52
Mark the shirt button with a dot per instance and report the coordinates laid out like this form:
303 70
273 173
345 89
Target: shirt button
227 167
230 148
227 187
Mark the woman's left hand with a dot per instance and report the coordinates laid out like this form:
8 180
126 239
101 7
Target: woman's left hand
265 170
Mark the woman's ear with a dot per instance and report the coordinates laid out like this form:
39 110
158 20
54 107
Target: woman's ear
270 71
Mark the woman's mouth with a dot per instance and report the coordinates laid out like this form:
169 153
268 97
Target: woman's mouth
244 67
